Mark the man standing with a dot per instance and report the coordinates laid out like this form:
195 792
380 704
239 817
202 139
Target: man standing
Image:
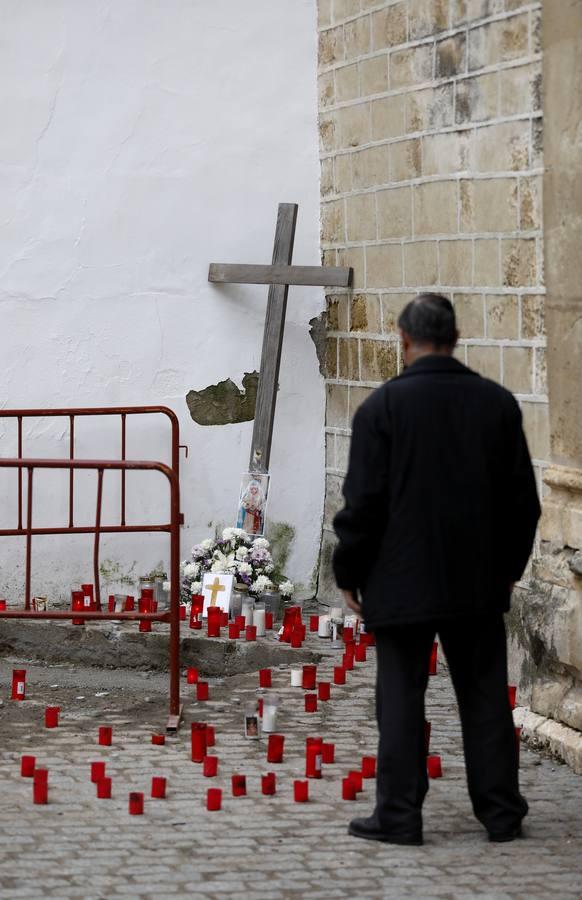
439 521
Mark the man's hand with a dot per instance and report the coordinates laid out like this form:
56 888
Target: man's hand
351 600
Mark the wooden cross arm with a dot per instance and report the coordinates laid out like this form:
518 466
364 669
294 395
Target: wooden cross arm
323 276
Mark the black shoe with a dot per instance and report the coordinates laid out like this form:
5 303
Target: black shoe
370 831
502 837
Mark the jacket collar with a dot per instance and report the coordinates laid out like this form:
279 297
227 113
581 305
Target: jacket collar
434 363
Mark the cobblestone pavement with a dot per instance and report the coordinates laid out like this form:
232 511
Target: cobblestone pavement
256 846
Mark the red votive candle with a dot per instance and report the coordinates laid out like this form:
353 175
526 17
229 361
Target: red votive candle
300 791
348 634
197 603
97 771
368 766
348 789
427 731
339 675
348 662
182 611
213 799
265 678
268 621
260 705
224 619
136 803
40 776
296 640
268 783
313 755
2 605
314 623
198 739
310 703
51 716
158 787
111 603
239 785
434 767
145 626
18 684
324 690
328 753
240 621
213 628
251 633
191 675
27 764
158 739
40 792
129 603
356 778
432 668
233 631
512 694
202 690
210 736
360 653
105 735
210 766
275 748
309 676
104 789
77 605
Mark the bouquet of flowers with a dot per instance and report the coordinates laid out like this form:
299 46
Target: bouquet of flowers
236 552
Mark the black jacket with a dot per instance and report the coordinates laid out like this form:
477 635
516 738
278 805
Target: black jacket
440 498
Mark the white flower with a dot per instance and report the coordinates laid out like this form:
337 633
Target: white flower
230 534
167 586
261 544
196 587
225 560
261 584
242 553
191 570
208 544
287 588
269 568
245 568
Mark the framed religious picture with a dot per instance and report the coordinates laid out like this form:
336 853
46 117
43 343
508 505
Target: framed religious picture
252 504
216 590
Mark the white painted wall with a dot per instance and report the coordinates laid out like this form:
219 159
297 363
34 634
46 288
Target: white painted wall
140 140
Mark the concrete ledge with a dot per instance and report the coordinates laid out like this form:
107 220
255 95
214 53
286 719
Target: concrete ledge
545 734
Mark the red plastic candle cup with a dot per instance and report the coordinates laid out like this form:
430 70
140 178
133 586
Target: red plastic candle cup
104 789
348 662
97 771
111 603
213 628
239 785
2 605
251 633
434 766
27 765
265 678
18 684
356 778
512 694
147 593
324 690
287 635
360 653
40 776
309 676
310 703
302 629
197 603
40 792
348 789
296 640
51 716
213 799
233 631
339 675
191 675
210 736
314 623
136 803
182 612
210 766
432 668
240 621
328 753
145 626
313 755
158 787
202 690
368 766
427 731
158 739
275 748
129 603
77 605
214 613
268 620
300 791
260 704
348 634
268 783
198 739
105 735
224 619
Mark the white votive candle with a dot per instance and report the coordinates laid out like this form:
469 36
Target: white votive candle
259 621
296 677
269 718
323 628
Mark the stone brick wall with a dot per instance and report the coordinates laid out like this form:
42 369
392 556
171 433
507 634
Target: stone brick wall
431 178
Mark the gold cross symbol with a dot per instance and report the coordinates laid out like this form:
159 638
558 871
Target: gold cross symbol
215 589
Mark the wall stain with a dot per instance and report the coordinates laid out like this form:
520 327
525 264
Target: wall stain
224 403
317 333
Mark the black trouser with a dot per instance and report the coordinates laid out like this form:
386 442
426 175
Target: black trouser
476 653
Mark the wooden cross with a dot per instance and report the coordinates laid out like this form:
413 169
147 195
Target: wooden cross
278 276
215 589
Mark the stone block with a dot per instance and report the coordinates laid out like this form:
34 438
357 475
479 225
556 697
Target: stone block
468 11
334 500
429 109
348 359
518 369
343 9
353 257
326 90
330 451
343 173
502 317
388 117
353 125
548 693
537 428
331 357
361 217
384 265
426 17
501 148
394 211
389 26
336 409
570 711
443 154
357 395
337 312
357 37
500 41
451 56
392 306
371 167
420 264
489 204
486 361
456 263
327 130
410 66
530 203
323 13
540 371
469 314
486 271
347 83
379 360
573 538
435 208
331 46
373 75
405 160
476 99
332 222
365 313
327 179
520 89
533 316
518 262
342 452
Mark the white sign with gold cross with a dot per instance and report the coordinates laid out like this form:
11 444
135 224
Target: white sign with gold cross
216 590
